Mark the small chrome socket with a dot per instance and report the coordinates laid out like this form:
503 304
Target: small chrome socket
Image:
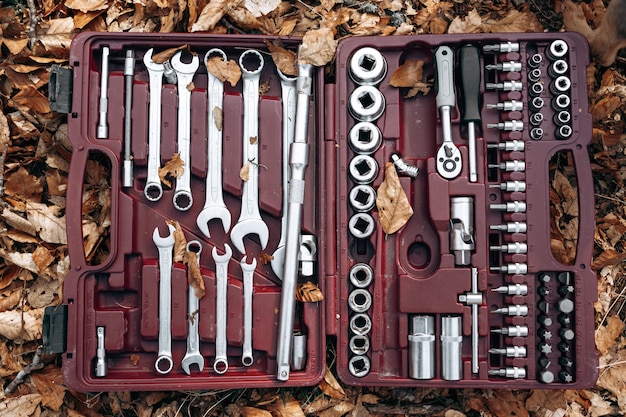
362 198
361 324
363 169
359 300
361 225
361 275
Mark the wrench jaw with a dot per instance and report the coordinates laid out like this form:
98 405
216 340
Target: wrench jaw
209 213
245 227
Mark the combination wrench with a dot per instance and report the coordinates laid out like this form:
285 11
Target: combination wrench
248 277
193 354
289 92
250 221
220 365
164 362
153 189
214 207
183 199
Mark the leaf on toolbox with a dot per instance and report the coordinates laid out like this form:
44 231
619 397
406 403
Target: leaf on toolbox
50 227
194 276
172 169
49 382
180 242
318 47
218 117
24 185
410 74
309 293
25 325
24 405
284 59
265 258
244 172
394 209
330 386
165 55
224 70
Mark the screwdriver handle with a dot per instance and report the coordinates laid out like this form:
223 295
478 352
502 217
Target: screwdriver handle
444 84
469 60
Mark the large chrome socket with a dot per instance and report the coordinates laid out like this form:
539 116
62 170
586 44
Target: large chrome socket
365 138
361 225
361 324
363 169
366 103
362 198
367 66
451 348
360 300
422 347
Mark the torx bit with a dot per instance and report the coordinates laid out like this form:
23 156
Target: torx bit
509 372
535 60
510 66
536 104
536 133
565 290
510 207
510 351
544 348
566 362
502 47
564 347
514 268
511 186
508 126
543 291
564 319
513 227
508 105
508 146
566 376
505 86
534 75
545 334
469 57
512 289
512 331
536 119
510 166
515 247
512 310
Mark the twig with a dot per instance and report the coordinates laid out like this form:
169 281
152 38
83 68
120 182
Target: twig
36 365
34 18
609 309
610 198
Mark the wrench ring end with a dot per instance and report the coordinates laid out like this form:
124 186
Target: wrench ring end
247 360
220 365
160 360
257 55
183 200
153 191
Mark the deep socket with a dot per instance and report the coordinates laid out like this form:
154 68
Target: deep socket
511 186
536 119
366 103
505 86
365 137
359 300
363 169
563 132
512 310
536 133
509 372
514 268
536 104
512 289
422 347
535 60
462 229
557 49
510 351
508 105
503 47
362 198
513 227
535 89
508 146
560 85
361 275
510 66
361 225
514 165
534 75
515 247
451 348
509 125
512 331
562 118
558 67
561 102
359 366
367 66
298 352
359 345
360 324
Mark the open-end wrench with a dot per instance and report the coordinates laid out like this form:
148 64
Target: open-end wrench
248 277
153 189
164 362
193 354
298 161
183 199
214 207
289 92
220 365
250 221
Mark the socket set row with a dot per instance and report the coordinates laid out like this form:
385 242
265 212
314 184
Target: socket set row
459 296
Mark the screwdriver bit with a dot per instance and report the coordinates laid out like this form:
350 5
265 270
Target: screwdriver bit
544 320
513 227
513 310
510 351
502 47
547 377
544 334
505 86
510 66
510 166
509 372
566 306
544 348
512 289
566 376
509 105
514 268
509 126
510 207
508 146
511 186
512 331
515 247
567 334
566 362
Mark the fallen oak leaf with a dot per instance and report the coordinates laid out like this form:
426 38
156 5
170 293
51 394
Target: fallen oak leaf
164 56
180 242
284 59
410 74
173 168
318 47
309 293
194 275
394 209
224 70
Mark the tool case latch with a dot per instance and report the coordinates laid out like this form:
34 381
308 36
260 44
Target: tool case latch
60 88
55 329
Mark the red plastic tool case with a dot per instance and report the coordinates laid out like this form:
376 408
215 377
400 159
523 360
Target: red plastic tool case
415 286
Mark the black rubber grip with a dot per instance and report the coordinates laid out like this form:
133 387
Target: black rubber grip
469 61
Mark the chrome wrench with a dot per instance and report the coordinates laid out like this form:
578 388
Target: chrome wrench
214 206
248 277
220 365
165 246
193 354
183 200
250 221
289 92
153 189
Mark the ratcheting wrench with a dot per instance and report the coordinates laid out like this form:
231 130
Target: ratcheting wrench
153 189
214 206
220 365
183 200
250 221
193 354
165 245
248 277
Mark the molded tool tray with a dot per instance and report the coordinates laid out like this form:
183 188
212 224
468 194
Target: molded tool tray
414 321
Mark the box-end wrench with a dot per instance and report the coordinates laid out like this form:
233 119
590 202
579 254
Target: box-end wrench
214 207
289 92
193 354
250 221
298 161
164 362
449 162
248 283
220 365
153 189
183 199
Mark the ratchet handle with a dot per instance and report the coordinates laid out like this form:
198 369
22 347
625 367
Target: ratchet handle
444 83
469 58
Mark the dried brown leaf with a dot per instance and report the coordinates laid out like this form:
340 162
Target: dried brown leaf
191 86
330 386
43 292
87 5
24 185
172 169
508 403
49 382
287 407
194 276
218 118
244 19
543 399
318 47
394 209
514 21
42 257
265 258
134 359
264 87
471 23
244 172
10 300
607 334
24 325
180 242
224 70
309 293
212 13
284 59
50 227
15 46
407 74
23 405
165 55
247 411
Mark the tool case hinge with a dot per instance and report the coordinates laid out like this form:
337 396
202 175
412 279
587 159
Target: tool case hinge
55 329
60 88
